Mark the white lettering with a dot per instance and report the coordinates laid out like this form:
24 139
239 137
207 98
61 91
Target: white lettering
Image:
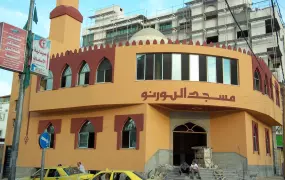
44 139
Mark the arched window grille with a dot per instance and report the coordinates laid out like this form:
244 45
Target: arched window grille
104 72
129 134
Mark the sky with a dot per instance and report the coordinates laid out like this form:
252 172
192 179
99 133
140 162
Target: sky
15 12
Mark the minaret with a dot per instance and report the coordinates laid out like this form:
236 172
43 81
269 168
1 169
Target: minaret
65 26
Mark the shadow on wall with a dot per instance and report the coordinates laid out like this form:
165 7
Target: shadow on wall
161 157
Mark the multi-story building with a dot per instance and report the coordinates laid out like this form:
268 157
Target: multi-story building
201 20
140 105
4 111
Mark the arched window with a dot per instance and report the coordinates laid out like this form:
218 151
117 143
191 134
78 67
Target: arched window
266 85
267 141
255 137
50 130
83 77
257 81
47 82
86 136
66 77
129 134
104 72
271 88
277 94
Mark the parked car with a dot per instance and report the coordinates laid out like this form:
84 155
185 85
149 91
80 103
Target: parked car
60 173
117 175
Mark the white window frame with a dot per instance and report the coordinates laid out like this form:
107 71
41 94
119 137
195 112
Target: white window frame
176 72
193 55
104 78
208 68
224 59
137 67
80 72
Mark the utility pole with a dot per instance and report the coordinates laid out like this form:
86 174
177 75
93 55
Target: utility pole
20 102
283 133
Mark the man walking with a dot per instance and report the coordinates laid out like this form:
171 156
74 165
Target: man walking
81 167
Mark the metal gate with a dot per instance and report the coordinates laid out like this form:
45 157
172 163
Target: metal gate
7 161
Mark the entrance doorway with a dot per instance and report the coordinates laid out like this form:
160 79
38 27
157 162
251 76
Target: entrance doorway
185 137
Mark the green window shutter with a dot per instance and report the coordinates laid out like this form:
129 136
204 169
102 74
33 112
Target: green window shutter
279 140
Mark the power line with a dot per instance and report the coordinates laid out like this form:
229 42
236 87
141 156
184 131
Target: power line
243 35
277 36
246 39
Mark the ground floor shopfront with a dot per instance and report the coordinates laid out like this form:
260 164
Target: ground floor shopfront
141 137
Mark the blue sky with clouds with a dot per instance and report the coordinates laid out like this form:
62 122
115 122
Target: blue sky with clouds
15 12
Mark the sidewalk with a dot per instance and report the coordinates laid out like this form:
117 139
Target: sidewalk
271 178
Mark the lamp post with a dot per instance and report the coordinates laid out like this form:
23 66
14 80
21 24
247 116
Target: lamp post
19 110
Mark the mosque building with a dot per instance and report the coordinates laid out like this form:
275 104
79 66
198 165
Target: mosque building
146 102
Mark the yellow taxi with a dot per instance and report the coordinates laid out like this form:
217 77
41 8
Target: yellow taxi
117 175
60 173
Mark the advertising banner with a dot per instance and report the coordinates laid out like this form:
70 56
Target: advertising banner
40 56
12 47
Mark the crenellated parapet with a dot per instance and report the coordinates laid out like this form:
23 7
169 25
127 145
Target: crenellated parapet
93 56
147 42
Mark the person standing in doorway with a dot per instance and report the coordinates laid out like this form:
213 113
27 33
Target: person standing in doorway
81 167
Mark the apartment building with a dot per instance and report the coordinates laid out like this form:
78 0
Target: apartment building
201 20
4 110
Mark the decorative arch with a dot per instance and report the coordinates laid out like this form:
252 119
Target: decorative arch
83 74
66 77
129 134
78 123
187 136
266 88
255 137
93 57
120 122
104 71
86 135
190 128
257 80
271 89
277 93
51 131
45 124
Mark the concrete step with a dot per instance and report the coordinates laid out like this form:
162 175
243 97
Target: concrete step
206 174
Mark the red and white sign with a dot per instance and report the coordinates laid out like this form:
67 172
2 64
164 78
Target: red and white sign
12 47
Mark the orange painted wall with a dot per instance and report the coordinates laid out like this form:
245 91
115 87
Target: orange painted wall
128 91
253 157
64 34
228 132
12 108
64 153
61 30
157 127
246 97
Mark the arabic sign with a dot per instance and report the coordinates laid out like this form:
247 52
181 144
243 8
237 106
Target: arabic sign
184 94
40 56
12 47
